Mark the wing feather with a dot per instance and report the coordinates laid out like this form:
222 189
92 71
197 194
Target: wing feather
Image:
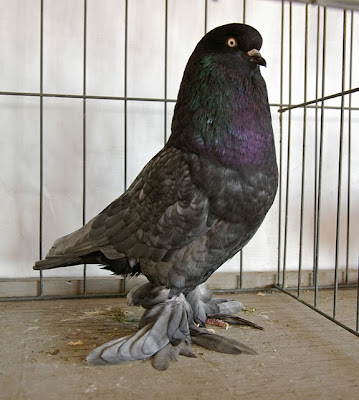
162 210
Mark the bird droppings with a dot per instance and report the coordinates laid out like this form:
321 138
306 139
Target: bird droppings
249 310
271 321
91 388
32 328
77 343
51 352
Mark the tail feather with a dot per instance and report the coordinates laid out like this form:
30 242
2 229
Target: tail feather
77 242
56 262
69 250
78 248
219 343
163 358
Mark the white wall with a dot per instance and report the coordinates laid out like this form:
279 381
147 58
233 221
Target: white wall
62 118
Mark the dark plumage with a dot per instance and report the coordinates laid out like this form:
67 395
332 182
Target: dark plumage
192 207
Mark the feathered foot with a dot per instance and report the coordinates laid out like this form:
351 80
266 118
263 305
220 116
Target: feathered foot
164 332
219 312
169 326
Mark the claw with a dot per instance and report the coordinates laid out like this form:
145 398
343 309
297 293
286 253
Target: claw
217 322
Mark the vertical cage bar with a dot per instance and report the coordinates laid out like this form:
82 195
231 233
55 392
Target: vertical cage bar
241 251
303 152
357 316
125 94
125 107
240 270
205 15
285 241
320 161
349 145
315 200
84 277
340 168
41 281
165 73
280 146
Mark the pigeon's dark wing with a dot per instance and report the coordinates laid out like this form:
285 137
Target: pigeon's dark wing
161 212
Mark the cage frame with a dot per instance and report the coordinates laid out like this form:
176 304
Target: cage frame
318 104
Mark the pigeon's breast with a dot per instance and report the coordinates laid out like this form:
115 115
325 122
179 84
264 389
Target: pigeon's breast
238 195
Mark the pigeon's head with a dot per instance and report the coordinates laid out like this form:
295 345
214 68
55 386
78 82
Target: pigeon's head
222 105
234 46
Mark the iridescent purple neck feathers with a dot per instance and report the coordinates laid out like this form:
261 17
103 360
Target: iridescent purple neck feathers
223 114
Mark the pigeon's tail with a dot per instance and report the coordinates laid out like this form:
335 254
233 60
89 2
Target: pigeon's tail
69 250
78 248
164 332
57 262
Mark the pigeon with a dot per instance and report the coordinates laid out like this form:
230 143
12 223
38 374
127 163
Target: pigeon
191 208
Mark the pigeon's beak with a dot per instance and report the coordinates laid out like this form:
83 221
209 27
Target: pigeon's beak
255 56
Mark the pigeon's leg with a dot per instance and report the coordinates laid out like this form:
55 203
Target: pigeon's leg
224 321
164 331
219 312
206 309
217 322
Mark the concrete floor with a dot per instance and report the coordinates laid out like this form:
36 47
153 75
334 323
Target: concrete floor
301 355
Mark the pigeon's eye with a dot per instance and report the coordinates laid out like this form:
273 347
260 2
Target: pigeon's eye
232 42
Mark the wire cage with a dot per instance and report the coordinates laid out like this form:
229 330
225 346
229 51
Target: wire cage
310 235
328 184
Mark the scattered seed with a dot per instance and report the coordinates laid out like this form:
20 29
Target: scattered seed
77 343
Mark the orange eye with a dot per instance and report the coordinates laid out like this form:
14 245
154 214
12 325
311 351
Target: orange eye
232 42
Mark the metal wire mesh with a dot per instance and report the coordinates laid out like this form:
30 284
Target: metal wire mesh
84 96
317 107
345 133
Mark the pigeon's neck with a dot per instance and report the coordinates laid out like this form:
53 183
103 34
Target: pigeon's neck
224 116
